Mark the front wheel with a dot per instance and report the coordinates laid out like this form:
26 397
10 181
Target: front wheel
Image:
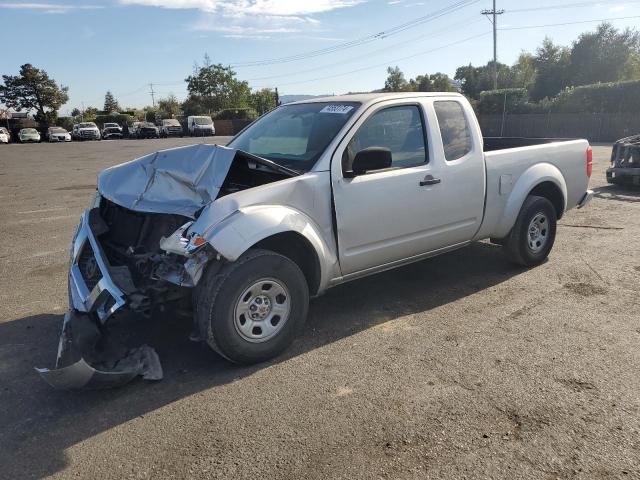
532 237
252 309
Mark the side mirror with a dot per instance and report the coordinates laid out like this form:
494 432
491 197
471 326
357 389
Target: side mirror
369 159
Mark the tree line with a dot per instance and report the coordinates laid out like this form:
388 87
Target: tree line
213 89
537 79
549 78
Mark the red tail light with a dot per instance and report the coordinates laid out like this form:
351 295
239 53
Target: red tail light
589 161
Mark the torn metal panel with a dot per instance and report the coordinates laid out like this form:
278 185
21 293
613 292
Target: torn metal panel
179 181
77 344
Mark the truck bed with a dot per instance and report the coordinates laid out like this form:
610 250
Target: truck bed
501 143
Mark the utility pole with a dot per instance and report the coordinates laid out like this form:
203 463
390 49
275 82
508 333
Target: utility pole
492 15
153 98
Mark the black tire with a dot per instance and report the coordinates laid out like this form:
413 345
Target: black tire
523 249
218 292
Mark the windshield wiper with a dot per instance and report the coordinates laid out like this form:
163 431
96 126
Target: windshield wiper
269 163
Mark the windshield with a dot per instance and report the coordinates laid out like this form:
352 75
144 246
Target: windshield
57 130
171 123
147 125
87 125
29 130
110 125
295 135
203 121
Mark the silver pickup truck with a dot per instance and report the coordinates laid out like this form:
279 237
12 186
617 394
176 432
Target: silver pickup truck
311 195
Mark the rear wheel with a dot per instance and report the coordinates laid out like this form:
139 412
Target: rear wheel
532 237
252 309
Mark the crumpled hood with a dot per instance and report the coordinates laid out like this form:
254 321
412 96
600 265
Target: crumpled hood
179 180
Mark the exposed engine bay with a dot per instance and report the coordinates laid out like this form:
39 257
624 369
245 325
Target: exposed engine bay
129 255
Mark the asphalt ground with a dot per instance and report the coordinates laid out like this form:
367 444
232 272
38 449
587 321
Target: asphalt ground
461 366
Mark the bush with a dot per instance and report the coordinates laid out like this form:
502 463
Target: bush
236 114
516 100
616 97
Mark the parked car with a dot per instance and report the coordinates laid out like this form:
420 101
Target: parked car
200 126
58 134
312 195
29 135
111 130
625 162
5 136
85 131
132 130
171 128
147 130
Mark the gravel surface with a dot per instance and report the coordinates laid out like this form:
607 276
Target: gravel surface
461 366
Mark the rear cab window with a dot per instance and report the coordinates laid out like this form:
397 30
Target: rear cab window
454 129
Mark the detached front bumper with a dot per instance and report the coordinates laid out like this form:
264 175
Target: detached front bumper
96 291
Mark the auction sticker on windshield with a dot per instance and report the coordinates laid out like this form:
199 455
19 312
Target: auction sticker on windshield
337 109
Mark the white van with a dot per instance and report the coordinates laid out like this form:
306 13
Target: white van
200 126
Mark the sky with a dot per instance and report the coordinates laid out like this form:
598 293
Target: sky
300 46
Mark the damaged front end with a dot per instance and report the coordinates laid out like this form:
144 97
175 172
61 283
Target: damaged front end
625 162
133 252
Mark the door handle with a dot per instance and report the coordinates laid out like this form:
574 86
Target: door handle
430 180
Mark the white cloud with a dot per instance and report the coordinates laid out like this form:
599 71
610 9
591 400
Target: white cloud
251 26
617 8
46 7
251 7
253 18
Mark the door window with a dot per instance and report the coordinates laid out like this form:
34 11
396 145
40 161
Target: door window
400 129
454 129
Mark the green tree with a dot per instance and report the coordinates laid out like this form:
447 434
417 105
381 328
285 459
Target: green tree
263 100
216 87
89 114
169 105
437 82
603 55
395 81
475 80
524 71
32 89
110 103
552 70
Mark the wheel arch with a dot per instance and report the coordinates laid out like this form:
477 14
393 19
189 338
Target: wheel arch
297 248
281 229
543 179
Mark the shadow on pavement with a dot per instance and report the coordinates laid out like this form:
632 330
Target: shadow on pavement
620 193
37 424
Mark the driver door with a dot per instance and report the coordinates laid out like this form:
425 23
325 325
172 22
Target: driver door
384 216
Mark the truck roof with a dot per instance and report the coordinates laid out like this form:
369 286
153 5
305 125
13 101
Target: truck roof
368 98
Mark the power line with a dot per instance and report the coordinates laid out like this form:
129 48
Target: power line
449 28
569 23
567 5
386 63
363 40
